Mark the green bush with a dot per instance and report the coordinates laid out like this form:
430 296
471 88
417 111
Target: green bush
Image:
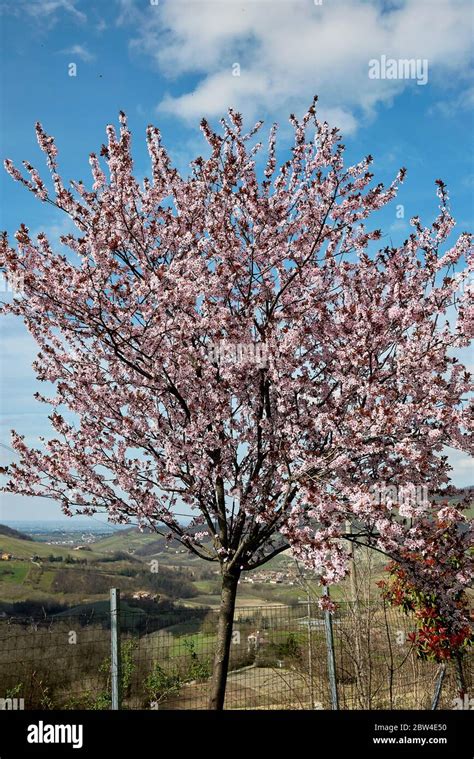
197 669
161 685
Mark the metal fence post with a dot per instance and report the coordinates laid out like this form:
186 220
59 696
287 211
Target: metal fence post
115 646
331 655
310 655
438 686
459 676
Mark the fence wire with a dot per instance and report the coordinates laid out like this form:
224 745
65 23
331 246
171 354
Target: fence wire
278 660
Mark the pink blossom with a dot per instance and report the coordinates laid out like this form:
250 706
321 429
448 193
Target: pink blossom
358 386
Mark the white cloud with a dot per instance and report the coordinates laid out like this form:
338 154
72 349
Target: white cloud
463 467
399 226
101 26
55 229
289 50
45 11
79 51
451 107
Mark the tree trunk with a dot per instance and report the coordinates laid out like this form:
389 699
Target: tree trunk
224 639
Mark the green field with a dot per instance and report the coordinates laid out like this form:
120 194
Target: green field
13 571
123 540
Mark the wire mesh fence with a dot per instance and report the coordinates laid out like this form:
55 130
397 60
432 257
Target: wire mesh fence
278 660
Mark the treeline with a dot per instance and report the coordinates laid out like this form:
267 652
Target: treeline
172 583
140 615
52 558
32 608
89 582
163 614
116 556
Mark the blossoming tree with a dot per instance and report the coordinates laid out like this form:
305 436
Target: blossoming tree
236 341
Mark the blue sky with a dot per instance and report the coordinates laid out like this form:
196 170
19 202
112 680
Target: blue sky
173 61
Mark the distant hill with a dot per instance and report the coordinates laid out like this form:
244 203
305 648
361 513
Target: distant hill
124 540
11 533
141 543
467 491
25 549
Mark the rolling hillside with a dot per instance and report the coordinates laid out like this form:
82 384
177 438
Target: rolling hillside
26 548
10 532
124 540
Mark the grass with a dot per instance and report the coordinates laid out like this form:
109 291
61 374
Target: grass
13 571
203 644
207 587
46 579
